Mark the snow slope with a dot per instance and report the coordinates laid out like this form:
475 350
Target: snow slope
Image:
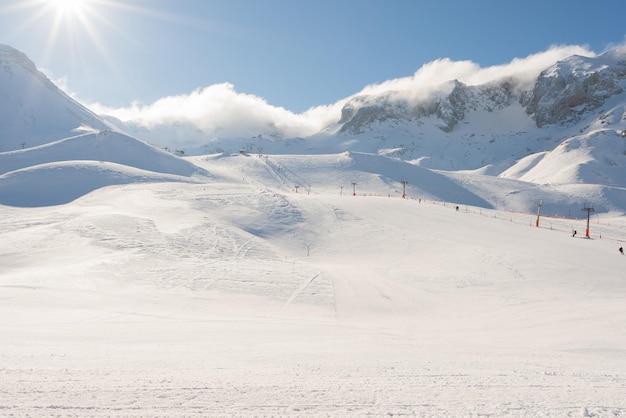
61 171
241 297
101 146
597 158
382 176
34 111
61 182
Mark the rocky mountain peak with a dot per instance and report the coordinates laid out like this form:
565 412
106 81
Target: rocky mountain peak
562 93
566 91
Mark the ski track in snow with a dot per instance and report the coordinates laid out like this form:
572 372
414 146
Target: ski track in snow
241 300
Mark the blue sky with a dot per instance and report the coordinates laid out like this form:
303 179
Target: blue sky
294 54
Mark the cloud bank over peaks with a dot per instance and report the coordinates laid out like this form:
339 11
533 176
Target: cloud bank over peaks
219 111
434 77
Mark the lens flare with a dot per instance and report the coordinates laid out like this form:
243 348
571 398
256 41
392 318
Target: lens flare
68 7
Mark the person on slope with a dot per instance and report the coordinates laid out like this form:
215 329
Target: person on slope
621 250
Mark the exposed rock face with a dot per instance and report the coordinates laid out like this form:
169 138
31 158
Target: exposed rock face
571 88
363 111
451 108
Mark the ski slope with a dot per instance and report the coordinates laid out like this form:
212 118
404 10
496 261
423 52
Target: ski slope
240 296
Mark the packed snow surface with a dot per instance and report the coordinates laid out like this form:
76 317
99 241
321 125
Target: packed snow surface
242 295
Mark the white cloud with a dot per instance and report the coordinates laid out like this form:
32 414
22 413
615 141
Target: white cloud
221 109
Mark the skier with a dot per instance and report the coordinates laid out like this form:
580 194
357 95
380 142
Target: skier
574 234
621 250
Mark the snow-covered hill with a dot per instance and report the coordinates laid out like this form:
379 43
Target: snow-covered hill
61 182
61 171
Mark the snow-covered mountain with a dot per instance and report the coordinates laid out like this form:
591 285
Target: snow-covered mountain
565 126
44 131
562 94
457 125
452 125
33 110
503 122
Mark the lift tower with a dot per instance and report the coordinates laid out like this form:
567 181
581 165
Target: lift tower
588 208
539 204
404 183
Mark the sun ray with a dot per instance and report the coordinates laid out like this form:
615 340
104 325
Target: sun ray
39 15
79 34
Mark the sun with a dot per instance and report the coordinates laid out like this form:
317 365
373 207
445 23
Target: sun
70 23
68 7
